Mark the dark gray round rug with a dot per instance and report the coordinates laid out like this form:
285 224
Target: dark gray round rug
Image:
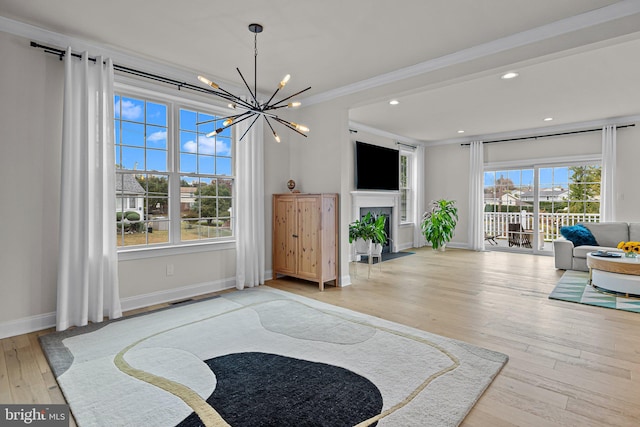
260 389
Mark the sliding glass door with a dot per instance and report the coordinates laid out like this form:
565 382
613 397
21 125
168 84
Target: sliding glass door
525 208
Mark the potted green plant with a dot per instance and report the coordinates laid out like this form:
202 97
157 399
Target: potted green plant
439 223
361 229
379 233
369 230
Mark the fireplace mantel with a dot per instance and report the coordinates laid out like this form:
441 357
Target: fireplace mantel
378 199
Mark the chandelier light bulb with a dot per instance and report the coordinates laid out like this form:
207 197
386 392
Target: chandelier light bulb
285 80
208 82
232 105
301 128
227 122
277 138
294 104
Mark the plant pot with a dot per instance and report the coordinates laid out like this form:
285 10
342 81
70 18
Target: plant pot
376 249
362 246
441 248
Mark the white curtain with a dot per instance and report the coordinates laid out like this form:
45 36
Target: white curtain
608 188
418 185
476 194
88 262
249 209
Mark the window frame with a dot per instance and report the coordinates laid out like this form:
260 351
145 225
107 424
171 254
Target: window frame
410 180
125 87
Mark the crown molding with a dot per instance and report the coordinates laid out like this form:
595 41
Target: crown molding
383 133
555 29
533 132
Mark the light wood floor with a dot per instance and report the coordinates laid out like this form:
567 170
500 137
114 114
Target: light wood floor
570 364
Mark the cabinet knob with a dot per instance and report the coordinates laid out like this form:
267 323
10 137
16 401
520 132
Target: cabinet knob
294 235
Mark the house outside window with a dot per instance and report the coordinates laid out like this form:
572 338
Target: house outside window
174 185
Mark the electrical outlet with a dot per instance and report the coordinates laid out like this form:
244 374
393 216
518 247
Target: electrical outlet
169 269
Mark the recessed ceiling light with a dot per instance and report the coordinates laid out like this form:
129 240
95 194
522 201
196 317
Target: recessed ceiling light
548 119
509 75
460 131
394 102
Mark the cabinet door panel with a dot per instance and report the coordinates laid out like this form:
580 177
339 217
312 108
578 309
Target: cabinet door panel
308 237
284 242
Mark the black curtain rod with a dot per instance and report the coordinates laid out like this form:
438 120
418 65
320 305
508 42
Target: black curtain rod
61 53
548 135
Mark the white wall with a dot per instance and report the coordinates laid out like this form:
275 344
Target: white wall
323 163
30 129
447 177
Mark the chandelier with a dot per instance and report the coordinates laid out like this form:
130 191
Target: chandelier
252 108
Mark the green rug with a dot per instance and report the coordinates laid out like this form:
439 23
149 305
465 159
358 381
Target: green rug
263 357
574 287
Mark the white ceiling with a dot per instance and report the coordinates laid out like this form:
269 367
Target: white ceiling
578 60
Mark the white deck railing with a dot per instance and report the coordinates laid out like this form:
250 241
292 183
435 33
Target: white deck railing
496 223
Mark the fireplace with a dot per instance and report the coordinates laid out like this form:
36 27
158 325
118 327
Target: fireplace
377 211
387 202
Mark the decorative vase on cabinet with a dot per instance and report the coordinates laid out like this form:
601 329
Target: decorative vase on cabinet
305 237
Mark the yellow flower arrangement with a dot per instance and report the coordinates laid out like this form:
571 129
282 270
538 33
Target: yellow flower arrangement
629 247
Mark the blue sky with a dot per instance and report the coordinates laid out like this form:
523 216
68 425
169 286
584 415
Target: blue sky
136 118
549 177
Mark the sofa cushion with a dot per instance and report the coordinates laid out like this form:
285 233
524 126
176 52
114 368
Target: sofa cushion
582 251
609 233
579 235
634 231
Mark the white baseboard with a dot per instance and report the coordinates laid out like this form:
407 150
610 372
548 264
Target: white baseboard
161 297
39 322
345 281
405 246
27 325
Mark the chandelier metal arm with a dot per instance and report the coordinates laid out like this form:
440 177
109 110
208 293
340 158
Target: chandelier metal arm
253 95
276 106
233 98
287 124
269 123
250 126
247 115
266 104
227 96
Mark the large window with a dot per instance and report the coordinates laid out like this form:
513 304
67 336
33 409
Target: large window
561 195
174 185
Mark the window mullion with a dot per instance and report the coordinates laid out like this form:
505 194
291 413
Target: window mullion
174 168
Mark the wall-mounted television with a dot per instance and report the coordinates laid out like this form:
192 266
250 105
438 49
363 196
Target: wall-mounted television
377 168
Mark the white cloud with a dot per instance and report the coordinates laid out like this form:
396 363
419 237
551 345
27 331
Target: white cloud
160 136
207 146
130 111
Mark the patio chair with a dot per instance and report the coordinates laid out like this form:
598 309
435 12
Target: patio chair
490 238
515 234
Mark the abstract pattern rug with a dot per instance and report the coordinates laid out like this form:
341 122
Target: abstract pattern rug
264 357
574 287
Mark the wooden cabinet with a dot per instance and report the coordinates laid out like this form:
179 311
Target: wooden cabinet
305 236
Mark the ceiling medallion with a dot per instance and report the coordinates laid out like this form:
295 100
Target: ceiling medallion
252 108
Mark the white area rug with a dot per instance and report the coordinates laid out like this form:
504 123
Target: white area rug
331 366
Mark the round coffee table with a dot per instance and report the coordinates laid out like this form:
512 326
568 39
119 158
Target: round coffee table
615 275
